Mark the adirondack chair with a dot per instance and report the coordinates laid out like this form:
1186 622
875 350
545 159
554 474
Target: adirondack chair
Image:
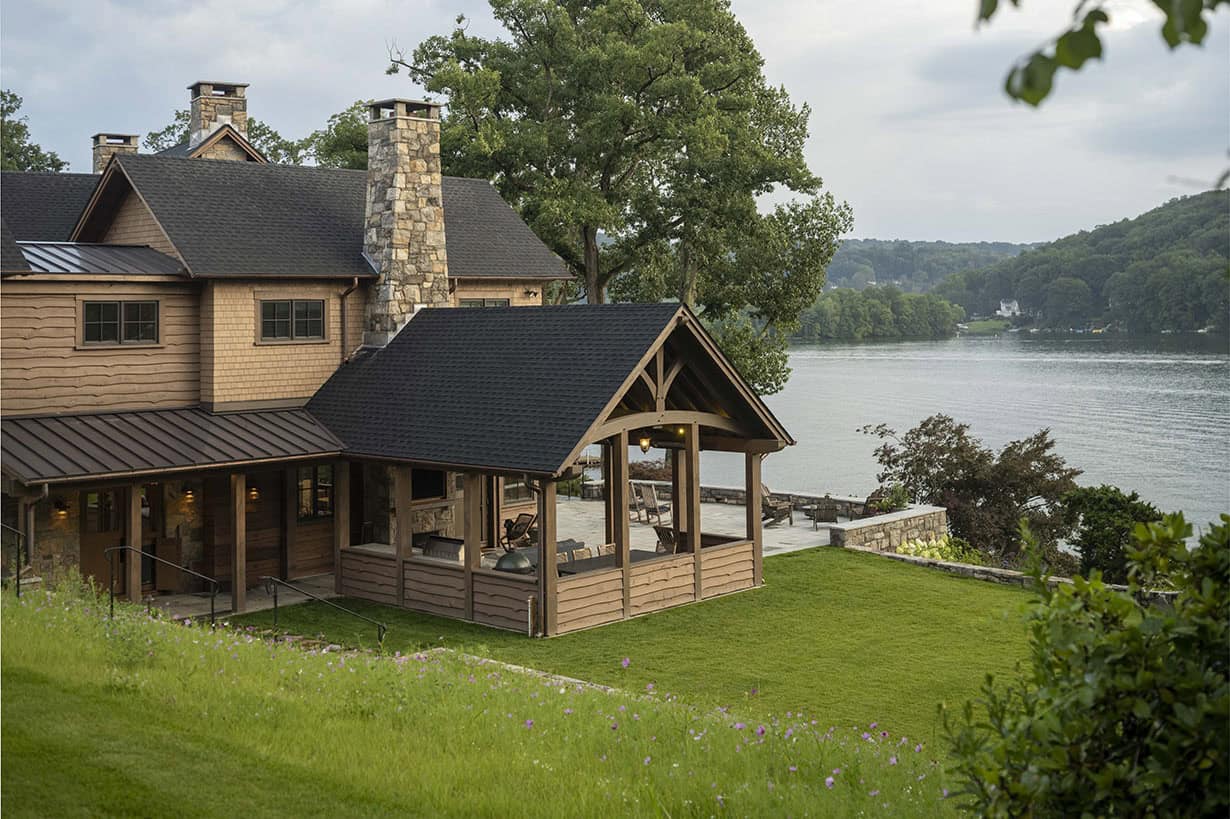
517 532
824 511
654 508
668 544
774 511
634 501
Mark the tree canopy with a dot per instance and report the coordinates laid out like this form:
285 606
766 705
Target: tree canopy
17 151
915 266
877 313
635 136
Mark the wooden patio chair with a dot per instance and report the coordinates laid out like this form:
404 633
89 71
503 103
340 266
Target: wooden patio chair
634 500
654 508
668 544
517 532
773 511
824 511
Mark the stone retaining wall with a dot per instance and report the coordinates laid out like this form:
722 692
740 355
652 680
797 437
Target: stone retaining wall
884 533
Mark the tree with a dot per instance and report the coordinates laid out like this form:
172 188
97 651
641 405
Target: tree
265 139
1123 707
634 136
986 495
343 142
17 152
1105 518
1032 77
1067 302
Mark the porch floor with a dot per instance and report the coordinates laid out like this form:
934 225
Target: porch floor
197 605
583 520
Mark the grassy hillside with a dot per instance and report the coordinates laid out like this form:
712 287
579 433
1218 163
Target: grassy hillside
911 266
1165 270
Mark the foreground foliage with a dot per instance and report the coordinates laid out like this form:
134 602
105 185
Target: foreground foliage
946 547
1125 707
1105 517
173 720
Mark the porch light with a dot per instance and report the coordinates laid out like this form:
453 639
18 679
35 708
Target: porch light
189 495
254 494
61 507
645 443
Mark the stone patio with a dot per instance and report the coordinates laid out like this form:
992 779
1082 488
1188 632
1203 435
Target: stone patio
196 605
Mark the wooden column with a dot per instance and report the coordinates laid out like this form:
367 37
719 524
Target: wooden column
608 497
290 518
548 574
239 552
755 533
132 538
676 494
29 509
403 537
341 519
691 449
622 539
492 486
472 530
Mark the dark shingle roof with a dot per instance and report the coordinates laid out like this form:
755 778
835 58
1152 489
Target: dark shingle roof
11 260
510 389
44 206
247 219
36 449
182 149
71 257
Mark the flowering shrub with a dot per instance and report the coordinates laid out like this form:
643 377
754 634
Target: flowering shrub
946 547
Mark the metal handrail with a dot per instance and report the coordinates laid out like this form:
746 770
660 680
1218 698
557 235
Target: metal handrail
213 583
19 543
271 587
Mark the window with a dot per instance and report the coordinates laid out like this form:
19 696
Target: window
101 512
119 322
292 320
426 484
516 490
315 491
485 302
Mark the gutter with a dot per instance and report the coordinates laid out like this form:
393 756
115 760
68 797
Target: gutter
354 283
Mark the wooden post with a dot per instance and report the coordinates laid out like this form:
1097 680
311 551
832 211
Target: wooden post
30 508
341 519
548 574
676 495
691 446
752 499
403 537
472 529
619 483
290 518
608 496
492 486
132 539
239 554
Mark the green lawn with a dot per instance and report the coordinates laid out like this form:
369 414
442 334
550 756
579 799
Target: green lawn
140 717
847 636
987 327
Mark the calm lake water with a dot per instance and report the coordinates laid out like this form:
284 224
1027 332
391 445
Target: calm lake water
1150 415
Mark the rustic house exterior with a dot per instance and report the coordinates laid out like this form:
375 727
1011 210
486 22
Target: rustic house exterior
250 369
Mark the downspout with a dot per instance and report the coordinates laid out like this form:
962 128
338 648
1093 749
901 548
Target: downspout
354 283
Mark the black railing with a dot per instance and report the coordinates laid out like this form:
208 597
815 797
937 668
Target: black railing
273 583
213 584
19 542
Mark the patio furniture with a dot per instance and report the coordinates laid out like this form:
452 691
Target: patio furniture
634 500
668 544
871 506
654 508
823 511
516 532
604 562
774 511
443 548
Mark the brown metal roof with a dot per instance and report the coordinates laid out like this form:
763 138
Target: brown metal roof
42 449
71 257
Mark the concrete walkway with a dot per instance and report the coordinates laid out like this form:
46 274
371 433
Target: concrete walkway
196 605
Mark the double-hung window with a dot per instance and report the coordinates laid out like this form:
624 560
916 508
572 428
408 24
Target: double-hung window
119 322
485 302
293 320
315 491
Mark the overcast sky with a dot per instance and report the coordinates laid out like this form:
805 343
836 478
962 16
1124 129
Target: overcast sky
909 123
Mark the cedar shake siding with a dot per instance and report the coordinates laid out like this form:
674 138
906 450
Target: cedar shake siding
517 291
133 224
46 368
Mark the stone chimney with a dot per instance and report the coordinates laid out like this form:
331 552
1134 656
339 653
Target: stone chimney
215 104
108 145
404 228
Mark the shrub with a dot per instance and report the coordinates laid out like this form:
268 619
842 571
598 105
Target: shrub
947 548
1105 517
1124 708
650 470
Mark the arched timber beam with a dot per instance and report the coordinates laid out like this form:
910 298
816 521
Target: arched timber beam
637 420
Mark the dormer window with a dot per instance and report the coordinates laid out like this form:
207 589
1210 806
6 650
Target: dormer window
292 320
119 322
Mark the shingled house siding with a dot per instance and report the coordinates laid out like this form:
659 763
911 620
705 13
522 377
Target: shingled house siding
242 369
515 290
135 225
45 369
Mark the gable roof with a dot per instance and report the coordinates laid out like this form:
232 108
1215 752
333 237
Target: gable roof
513 389
43 206
224 131
244 219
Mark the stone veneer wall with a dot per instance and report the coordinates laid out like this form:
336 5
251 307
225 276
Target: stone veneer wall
183 518
404 223
884 533
208 111
57 536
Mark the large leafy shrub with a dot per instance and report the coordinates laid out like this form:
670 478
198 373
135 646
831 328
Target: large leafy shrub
1103 533
946 547
1125 707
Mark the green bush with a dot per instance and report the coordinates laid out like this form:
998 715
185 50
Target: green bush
1105 517
1125 706
947 548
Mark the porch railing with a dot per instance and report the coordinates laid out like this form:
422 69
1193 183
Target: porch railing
272 584
214 585
19 543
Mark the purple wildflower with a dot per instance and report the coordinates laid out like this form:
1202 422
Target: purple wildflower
837 772
884 735
529 723
828 782
614 726
760 730
567 711
625 662
794 769
739 726
918 748
945 792
892 760
648 759
866 736
873 725
649 686
874 793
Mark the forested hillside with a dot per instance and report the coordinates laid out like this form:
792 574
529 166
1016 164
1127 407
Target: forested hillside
913 266
1166 270
877 313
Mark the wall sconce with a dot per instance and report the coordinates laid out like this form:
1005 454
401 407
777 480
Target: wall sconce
254 494
531 293
645 443
189 495
61 507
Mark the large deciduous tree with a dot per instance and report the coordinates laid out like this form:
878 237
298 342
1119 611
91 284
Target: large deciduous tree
17 152
264 138
635 137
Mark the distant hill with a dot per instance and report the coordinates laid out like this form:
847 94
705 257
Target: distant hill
1165 270
911 266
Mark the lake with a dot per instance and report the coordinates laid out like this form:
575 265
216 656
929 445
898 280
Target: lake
1151 415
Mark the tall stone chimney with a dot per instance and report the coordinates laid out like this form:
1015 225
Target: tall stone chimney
215 104
404 228
108 145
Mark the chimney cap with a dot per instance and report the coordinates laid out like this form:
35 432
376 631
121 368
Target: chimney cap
238 87
108 136
402 107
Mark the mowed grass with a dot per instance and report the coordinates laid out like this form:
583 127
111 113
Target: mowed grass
141 717
847 636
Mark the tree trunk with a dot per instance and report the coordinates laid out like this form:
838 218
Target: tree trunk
595 289
687 276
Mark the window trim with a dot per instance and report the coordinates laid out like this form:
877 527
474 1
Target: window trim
261 341
81 344
315 515
483 302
